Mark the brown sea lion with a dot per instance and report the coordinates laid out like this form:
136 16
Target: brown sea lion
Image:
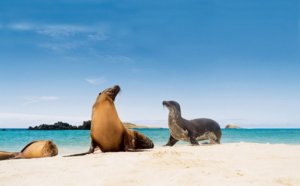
108 132
35 149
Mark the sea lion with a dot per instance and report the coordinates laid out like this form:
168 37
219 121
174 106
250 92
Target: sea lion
35 149
108 132
190 130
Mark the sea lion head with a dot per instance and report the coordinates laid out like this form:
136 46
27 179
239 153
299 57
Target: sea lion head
50 149
111 92
39 149
172 105
142 141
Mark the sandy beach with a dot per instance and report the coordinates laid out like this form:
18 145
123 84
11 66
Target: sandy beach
225 164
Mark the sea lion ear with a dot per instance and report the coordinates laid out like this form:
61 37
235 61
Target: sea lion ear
100 93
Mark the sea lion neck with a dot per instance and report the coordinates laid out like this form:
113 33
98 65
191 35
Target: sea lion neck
104 99
174 113
174 117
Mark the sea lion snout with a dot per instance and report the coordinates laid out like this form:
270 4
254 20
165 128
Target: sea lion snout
111 92
165 103
173 105
116 88
114 91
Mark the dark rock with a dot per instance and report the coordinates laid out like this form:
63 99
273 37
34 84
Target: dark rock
56 126
232 126
85 126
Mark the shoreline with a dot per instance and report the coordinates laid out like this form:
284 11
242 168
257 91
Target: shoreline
225 164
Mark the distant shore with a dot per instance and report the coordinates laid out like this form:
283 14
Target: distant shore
85 126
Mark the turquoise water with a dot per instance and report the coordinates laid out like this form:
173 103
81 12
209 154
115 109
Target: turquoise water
70 141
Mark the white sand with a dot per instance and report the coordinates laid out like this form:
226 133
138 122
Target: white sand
226 164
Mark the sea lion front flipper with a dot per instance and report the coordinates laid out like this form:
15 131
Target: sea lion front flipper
213 138
193 140
9 155
171 141
91 150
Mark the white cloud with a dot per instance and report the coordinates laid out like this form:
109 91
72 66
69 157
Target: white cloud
62 37
21 26
94 32
61 47
98 36
62 30
96 81
24 120
120 59
35 99
117 59
48 98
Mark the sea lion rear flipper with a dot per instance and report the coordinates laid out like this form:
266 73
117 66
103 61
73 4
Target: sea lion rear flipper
91 150
128 140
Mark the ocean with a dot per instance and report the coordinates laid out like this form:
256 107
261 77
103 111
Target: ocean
74 141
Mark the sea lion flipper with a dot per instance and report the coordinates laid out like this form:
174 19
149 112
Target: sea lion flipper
213 139
171 141
17 155
128 140
91 150
9 155
193 141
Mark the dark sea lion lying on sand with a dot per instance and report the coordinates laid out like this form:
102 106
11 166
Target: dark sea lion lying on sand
190 130
107 131
35 149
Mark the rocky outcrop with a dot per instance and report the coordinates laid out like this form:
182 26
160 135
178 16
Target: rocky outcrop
232 126
56 126
86 125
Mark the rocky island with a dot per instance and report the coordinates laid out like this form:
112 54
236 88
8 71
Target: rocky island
86 125
232 126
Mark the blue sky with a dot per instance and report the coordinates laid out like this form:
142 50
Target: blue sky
234 61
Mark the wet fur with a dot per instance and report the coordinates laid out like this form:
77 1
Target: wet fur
190 130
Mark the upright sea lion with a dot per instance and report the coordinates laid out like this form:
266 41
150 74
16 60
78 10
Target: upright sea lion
107 131
190 130
35 149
